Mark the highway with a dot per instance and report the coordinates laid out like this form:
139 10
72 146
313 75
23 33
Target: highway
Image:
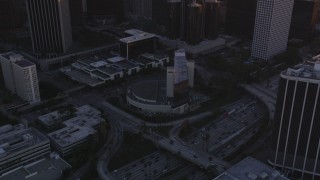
246 110
133 124
158 168
188 153
260 92
223 131
115 139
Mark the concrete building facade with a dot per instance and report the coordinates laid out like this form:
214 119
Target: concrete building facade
50 26
271 30
20 76
296 137
21 147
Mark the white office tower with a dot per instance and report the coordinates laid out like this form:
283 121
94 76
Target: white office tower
180 66
20 76
272 25
180 77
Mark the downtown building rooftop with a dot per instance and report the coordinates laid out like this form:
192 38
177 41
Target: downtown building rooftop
250 168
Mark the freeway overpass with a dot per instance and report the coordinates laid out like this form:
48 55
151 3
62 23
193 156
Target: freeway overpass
186 152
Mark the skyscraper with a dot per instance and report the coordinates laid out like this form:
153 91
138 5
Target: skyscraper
50 26
180 77
11 15
240 16
296 137
142 8
77 11
174 25
20 76
271 29
301 27
212 8
194 23
105 8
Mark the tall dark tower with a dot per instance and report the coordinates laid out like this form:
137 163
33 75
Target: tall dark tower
107 8
211 18
296 135
174 18
301 17
240 17
50 26
194 23
10 14
77 10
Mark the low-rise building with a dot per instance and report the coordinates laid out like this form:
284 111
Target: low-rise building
85 113
138 43
21 147
148 60
250 168
77 131
49 168
7 129
70 138
102 69
53 118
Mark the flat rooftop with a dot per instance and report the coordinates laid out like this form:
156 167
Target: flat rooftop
8 129
8 54
206 46
304 71
109 70
116 59
99 64
71 134
248 169
20 140
47 168
24 63
89 61
87 110
81 77
156 56
100 75
84 121
134 32
53 117
137 37
144 60
126 65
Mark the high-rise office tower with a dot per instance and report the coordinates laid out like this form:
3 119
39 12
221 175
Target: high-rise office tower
11 15
77 12
105 8
240 16
180 77
211 15
142 8
194 23
174 25
296 137
50 25
20 76
271 30
301 17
